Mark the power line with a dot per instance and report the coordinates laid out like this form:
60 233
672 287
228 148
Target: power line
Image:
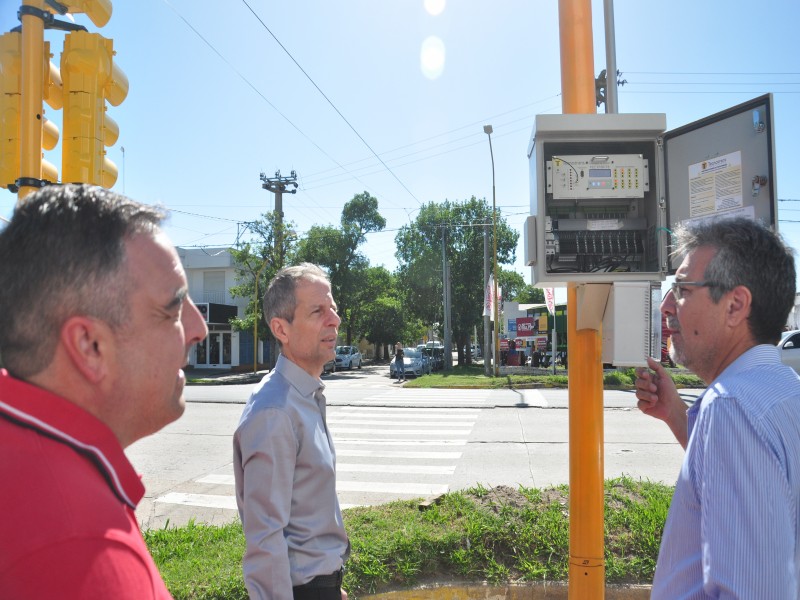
328 100
713 83
700 73
447 133
258 92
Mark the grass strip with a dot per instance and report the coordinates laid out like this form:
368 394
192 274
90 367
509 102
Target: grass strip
498 535
472 376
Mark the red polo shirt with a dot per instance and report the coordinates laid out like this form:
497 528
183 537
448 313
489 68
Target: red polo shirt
67 522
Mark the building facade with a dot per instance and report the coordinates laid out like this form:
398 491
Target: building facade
210 272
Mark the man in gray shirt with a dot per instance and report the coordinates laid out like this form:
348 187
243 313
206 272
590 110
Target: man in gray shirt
283 456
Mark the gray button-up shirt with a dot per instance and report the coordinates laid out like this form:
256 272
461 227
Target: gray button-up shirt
284 464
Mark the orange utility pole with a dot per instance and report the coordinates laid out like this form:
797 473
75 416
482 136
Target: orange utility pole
586 547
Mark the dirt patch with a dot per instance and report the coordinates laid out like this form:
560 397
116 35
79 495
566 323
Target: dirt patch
503 495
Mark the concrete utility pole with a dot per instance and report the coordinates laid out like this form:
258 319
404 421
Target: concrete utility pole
448 333
487 320
612 106
277 185
280 185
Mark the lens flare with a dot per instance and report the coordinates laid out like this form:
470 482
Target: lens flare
432 57
434 7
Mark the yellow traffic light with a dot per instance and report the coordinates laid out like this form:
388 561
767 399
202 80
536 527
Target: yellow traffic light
90 77
10 99
98 11
52 94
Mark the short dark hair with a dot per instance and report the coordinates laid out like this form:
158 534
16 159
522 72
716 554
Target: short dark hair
63 254
752 255
280 299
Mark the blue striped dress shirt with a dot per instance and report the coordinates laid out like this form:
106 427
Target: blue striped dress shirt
732 528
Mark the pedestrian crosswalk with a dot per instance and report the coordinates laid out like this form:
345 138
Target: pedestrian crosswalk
383 452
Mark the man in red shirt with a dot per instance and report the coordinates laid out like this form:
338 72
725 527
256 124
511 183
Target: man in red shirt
95 327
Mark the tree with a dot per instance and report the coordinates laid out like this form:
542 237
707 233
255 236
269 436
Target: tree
512 283
336 250
383 323
460 226
530 295
260 260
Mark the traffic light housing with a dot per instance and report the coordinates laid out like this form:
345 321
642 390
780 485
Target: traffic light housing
90 77
10 105
98 11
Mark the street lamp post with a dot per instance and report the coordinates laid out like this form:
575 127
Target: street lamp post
487 129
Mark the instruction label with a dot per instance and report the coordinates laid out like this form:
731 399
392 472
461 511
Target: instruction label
715 185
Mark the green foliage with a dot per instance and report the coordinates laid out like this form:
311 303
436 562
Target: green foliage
512 284
200 562
530 295
258 261
460 225
617 379
353 284
483 534
382 321
687 380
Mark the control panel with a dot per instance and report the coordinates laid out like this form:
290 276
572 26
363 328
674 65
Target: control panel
593 176
594 199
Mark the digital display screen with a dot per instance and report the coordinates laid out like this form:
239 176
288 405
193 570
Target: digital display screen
599 172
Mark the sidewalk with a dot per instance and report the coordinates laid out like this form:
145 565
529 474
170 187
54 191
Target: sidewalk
222 377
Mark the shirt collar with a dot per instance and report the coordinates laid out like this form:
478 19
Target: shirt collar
60 419
305 384
756 356
759 355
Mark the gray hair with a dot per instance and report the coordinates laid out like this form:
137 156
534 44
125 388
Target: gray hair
280 299
63 254
752 255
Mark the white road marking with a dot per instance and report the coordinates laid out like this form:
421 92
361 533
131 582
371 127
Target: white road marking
428 411
408 469
358 421
407 488
216 479
376 431
205 500
408 442
398 454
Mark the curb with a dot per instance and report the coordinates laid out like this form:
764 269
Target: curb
532 591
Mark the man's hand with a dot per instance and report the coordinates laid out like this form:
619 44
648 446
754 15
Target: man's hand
344 594
659 398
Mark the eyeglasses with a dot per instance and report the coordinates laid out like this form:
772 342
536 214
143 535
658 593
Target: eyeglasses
677 286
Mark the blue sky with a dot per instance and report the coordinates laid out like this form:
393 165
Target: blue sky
214 99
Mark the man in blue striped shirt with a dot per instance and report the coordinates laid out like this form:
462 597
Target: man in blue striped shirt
732 529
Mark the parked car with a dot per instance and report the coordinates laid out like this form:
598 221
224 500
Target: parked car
436 356
414 363
790 348
348 357
330 367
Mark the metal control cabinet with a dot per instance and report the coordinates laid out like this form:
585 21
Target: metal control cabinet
604 199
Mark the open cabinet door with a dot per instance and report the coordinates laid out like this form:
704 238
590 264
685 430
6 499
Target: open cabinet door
722 166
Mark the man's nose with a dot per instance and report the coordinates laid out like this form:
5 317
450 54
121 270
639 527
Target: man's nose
335 318
194 325
668 304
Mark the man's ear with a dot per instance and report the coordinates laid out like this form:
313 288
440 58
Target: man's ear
280 329
740 302
87 343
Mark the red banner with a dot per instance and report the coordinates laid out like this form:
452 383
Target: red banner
525 327
550 299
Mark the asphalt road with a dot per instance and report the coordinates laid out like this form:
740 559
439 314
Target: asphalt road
396 443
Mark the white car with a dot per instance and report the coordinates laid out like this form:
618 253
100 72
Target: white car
347 357
790 348
414 363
